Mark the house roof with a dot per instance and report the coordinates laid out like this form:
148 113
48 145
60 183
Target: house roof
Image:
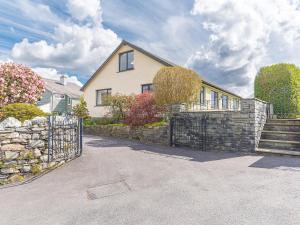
70 89
156 58
220 88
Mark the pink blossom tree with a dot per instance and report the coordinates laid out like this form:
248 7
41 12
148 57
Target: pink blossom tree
19 84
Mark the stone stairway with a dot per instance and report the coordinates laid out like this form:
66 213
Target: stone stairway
280 136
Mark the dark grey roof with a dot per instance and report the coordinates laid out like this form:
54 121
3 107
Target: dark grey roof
161 60
70 89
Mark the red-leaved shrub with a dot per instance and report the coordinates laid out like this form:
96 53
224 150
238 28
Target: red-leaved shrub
143 111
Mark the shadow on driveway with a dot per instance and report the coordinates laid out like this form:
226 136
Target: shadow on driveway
178 152
278 162
266 162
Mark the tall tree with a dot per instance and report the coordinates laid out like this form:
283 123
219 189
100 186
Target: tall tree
279 84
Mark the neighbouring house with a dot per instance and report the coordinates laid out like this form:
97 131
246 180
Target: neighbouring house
59 96
131 69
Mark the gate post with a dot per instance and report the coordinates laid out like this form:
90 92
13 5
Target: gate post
80 134
171 131
49 137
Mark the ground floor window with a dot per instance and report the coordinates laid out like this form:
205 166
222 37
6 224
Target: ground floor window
236 104
147 88
224 102
101 95
69 101
214 100
202 96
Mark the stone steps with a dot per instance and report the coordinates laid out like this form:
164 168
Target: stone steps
285 121
280 136
282 127
280 144
277 152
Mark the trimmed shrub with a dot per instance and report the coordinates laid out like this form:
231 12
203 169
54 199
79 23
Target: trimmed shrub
176 85
119 105
156 124
88 122
21 111
80 110
19 84
100 121
144 110
279 85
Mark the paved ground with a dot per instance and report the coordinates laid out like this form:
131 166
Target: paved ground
120 182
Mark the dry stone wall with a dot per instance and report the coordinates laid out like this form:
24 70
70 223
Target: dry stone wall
23 149
152 135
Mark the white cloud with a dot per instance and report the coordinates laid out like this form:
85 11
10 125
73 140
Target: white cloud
53 74
76 47
82 10
4 59
240 35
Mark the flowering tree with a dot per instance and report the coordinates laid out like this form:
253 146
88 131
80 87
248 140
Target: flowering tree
144 110
19 84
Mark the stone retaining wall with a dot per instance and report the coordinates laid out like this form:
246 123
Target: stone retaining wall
23 149
225 130
153 135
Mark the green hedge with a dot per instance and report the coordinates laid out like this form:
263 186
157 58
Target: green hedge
279 85
21 111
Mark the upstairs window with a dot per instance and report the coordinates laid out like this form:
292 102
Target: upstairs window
147 88
126 61
101 95
224 102
59 96
214 100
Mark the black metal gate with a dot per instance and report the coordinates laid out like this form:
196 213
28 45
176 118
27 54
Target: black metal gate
285 102
64 137
189 131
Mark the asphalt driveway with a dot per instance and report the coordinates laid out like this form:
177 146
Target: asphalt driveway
119 182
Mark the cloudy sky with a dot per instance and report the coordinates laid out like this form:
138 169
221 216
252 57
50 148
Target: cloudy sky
225 41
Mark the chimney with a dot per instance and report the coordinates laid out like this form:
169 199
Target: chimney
63 80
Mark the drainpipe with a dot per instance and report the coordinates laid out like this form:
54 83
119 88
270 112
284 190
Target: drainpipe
51 108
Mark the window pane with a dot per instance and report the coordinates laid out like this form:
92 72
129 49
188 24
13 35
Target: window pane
144 88
98 98
236 104
224 102
101 95
212 104
202 96
104 94
147 88
214 100
151 87
130 60
123 62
